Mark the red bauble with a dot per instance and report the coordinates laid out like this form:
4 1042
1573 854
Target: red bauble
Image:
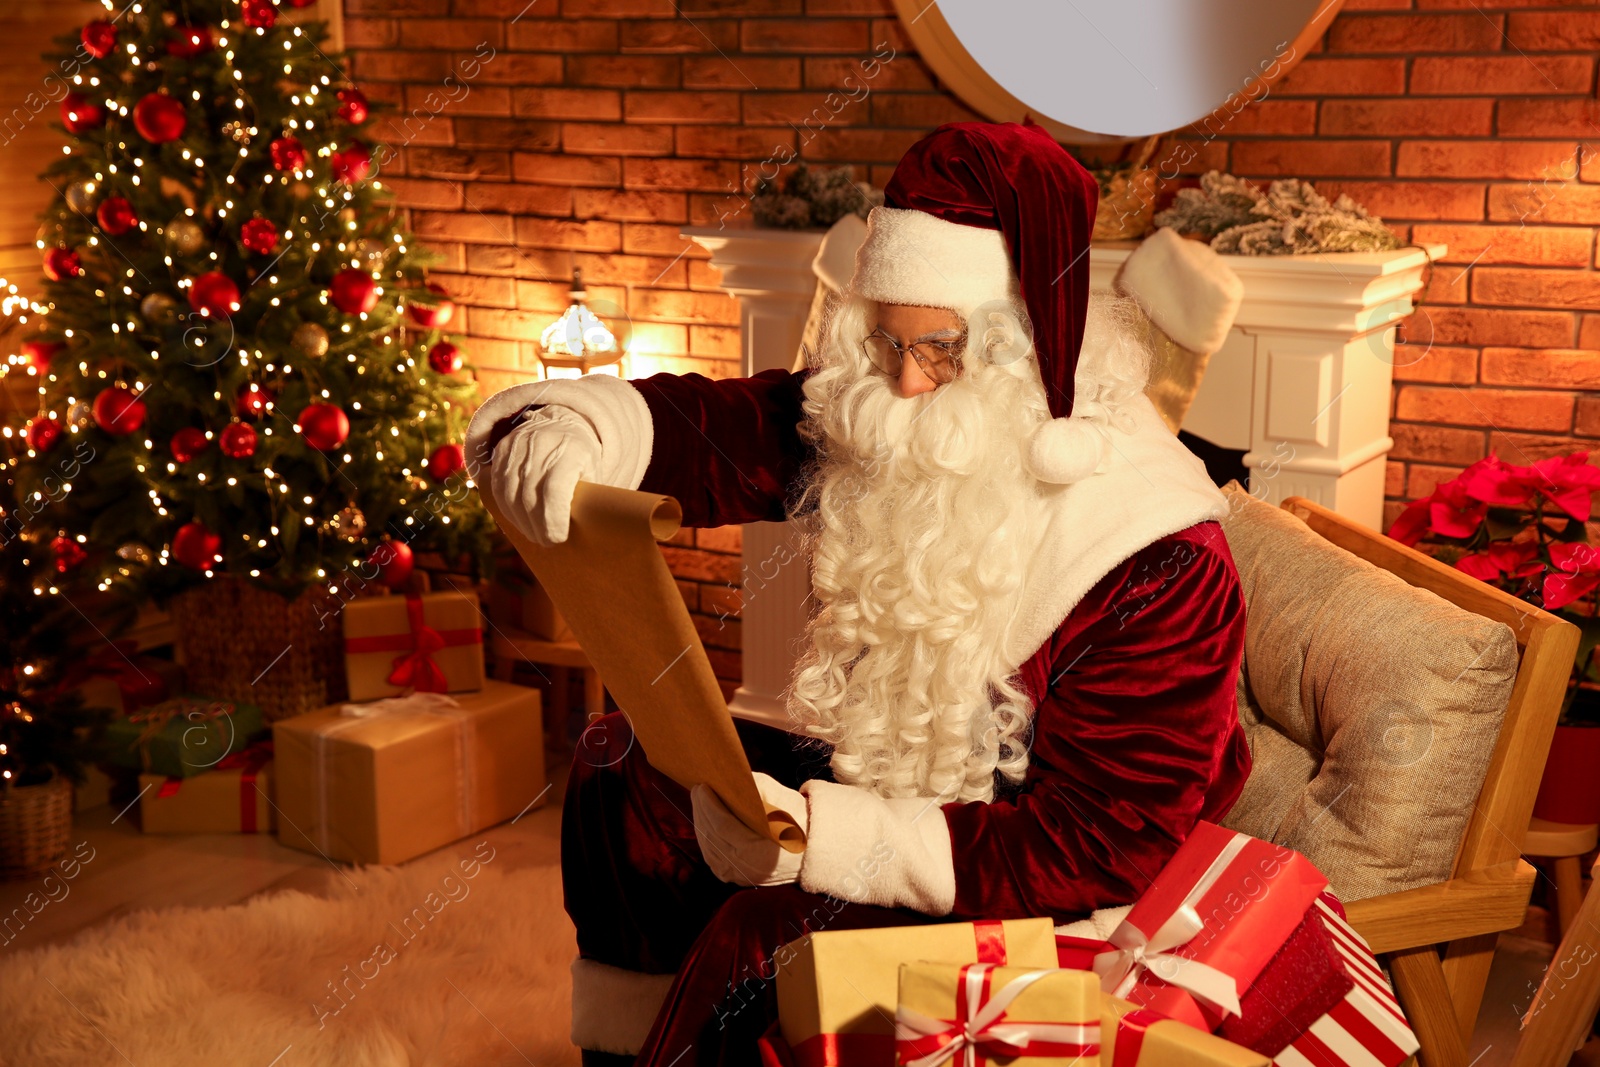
214 294
259 236
43 433
288 154
189 41
79 114
394 562
301 3
61 264
118 411
68 553
188 443
324 426
446 461
238 440
353 106
433 316
116 216
253 401
351 163
444 358
353 291
259 14
40 353
159 118
99 38
195 546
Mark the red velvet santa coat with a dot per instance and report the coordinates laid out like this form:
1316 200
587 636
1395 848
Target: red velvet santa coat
1135 734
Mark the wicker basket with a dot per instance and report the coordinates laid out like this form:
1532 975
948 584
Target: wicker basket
251 646
35 827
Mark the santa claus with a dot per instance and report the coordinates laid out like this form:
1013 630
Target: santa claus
1016 692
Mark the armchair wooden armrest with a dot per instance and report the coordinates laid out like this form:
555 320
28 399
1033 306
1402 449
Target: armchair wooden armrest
1478 902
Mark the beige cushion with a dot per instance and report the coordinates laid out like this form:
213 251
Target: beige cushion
1372 707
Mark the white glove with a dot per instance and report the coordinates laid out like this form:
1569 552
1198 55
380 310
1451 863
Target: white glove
538 465
737 854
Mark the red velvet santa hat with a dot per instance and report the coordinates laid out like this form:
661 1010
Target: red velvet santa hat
979 212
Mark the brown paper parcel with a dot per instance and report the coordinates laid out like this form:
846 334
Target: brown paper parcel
395 782
1169 1043
209 803
1057 998
449 613
847 982
612 585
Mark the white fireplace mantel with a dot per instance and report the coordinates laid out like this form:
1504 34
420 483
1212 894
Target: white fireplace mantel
1302 385
1303 382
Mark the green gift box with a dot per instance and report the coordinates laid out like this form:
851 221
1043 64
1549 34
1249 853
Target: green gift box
182 737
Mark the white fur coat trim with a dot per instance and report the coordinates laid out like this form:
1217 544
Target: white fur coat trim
613 1009
616 410
1148 487
866 849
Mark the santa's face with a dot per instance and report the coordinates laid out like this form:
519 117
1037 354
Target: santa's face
925 516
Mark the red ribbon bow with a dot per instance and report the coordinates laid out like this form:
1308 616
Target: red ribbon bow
415 667
981 1028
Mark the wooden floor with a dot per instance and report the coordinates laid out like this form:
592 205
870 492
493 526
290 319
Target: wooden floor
128 870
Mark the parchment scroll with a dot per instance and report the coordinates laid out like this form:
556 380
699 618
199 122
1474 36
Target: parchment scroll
612 585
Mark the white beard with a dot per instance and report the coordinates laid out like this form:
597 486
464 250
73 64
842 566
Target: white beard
925 521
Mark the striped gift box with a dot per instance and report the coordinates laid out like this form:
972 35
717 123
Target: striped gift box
1367 1028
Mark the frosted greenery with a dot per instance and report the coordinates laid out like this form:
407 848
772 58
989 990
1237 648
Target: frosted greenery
1290 218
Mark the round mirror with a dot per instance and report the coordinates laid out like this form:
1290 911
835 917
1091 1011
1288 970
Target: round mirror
1101 71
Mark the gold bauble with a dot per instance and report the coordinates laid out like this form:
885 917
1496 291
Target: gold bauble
348 525
134 552
158 309
310 339
80 414
80 196
185 236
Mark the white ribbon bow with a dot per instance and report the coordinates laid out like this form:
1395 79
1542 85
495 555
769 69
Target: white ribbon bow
1134 952
980 1027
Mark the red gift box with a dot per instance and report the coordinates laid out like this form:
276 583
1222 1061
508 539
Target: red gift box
1206 929
1366 1028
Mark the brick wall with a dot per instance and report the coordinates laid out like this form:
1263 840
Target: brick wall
1470 123
535 137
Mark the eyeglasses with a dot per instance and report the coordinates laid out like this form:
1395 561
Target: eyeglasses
938 359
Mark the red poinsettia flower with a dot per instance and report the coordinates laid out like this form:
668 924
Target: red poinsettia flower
1497 483
1515 559
1412 525
1567 482
1576 574
1453 512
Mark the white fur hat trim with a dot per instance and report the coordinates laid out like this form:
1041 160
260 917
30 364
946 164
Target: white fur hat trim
1185 288
911 257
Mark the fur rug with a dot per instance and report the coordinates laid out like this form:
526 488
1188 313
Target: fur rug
464 963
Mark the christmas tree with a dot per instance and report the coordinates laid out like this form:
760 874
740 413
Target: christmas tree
241 370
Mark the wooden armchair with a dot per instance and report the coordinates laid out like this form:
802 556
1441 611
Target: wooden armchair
1439 940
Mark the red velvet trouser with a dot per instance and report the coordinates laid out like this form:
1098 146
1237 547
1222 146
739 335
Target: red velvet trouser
643 899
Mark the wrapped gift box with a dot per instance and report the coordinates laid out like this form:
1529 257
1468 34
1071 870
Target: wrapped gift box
383 782
432 643
181 737
1210 923
1043 1018
1131 1036
838 989
233 797
125 681
1367 1025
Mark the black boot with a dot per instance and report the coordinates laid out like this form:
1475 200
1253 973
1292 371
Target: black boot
592 1058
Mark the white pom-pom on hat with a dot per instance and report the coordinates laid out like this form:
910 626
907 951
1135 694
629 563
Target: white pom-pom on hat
1063 451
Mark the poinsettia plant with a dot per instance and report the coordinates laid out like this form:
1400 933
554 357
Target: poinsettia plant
1524 530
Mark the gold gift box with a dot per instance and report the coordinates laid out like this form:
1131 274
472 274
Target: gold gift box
840 987
386 620
392 784
1070 998
216 802
1170 1043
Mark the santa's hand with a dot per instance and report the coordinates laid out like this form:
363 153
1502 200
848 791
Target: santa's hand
536 468
737 854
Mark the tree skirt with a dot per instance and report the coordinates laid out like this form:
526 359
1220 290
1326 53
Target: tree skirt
394 966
